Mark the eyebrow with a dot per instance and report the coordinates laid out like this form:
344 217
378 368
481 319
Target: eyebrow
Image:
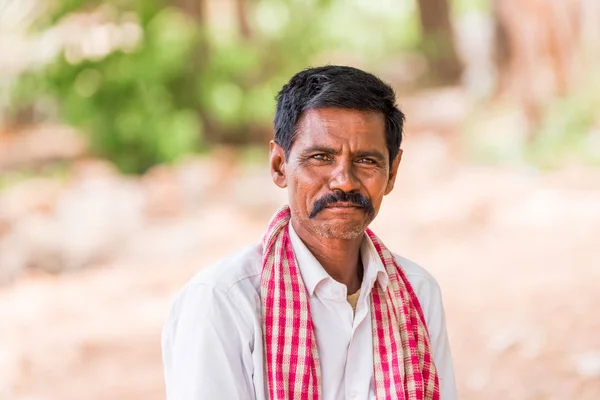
321 149
330 150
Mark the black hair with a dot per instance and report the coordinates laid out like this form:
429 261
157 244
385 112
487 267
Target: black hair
336 86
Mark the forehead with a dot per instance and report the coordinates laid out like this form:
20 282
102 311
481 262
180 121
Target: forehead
339 126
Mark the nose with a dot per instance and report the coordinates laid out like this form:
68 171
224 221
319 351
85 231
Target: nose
344 178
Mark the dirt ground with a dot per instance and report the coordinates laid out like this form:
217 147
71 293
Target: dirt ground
515 251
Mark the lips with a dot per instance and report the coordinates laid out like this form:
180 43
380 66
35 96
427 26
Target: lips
342 205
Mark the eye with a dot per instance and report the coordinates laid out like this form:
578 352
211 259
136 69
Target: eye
366 161
321 157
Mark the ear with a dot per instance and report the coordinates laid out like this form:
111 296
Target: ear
277 159
393 172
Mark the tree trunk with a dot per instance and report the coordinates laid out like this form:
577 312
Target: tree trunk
192 8
199 59
438 40
241 8
533 37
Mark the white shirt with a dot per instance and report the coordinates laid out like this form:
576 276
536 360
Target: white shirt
212 341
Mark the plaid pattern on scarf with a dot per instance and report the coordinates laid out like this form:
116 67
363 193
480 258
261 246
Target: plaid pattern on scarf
402 363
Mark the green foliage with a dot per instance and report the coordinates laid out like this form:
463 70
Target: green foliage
185 85
128 101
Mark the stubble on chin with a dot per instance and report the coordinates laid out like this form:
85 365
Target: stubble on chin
330 231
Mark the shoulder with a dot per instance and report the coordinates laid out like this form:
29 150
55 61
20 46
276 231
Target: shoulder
239 268
230 284
416 274
226 293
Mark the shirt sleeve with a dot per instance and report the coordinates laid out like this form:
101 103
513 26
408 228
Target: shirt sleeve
205 348
436 324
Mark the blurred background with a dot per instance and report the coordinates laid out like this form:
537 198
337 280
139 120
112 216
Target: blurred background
133 152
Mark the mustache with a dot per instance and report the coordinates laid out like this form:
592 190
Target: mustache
339 196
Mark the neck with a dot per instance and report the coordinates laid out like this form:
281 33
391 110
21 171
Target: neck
339 257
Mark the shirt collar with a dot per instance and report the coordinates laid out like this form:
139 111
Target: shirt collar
313 272
373 266
310 268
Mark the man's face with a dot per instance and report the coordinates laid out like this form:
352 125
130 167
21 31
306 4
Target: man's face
337 172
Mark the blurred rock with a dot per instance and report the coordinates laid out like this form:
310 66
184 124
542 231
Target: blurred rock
40 145
196 176
173 191
92 168
28 233
163 192
165 242
35 242
99 215
54 228
254 190
96 217
31 196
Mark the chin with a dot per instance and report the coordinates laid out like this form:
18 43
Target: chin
340 231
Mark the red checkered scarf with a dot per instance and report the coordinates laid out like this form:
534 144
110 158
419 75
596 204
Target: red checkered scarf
402 363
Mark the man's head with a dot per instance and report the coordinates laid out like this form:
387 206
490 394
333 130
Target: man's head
337 148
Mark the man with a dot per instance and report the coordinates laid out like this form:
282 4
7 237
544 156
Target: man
320 309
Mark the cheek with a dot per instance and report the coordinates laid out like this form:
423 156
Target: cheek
304 188
376 184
